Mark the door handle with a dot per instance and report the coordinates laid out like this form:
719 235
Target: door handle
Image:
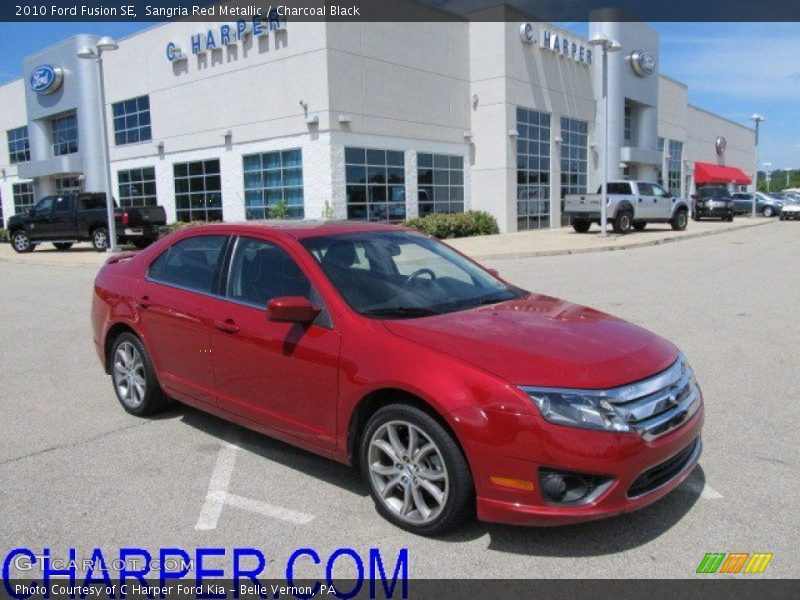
640 200
143 302
227 326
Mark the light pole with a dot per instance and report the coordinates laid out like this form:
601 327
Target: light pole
607 45
104 44
757 118
766 166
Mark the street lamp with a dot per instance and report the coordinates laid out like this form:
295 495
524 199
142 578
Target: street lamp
757 118
766 166
104 44
607 45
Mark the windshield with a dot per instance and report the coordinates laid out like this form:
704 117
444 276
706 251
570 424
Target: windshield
398 274
712 192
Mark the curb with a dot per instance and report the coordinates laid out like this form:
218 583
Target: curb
655 242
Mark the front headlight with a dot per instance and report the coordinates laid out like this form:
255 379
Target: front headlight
582 409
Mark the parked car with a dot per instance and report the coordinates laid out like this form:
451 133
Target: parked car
69 218
452 390
793 195
765 205
631 205
714 202
790 210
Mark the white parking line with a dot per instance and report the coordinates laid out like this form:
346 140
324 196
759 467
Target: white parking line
705 490
218 496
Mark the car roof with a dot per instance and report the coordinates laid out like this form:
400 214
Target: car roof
298 229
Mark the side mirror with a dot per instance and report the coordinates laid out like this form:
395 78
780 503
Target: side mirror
291 309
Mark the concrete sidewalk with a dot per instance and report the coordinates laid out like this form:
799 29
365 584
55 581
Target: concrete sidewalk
524 244
551 242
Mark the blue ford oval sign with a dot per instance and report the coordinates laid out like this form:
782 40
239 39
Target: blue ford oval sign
643 63
46 79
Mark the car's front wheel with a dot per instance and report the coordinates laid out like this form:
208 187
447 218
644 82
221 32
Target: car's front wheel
415 470
680 220
134 377
21 242
100 239
768 211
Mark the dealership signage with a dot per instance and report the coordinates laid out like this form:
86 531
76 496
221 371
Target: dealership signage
227 34
46 79
720 144
557 43
643 63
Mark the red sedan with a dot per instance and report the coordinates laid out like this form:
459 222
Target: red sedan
453 391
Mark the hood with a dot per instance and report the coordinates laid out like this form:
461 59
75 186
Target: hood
543 341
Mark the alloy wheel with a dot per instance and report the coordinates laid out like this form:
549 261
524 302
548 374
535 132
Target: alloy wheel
408 472
21 242
100 239
129 375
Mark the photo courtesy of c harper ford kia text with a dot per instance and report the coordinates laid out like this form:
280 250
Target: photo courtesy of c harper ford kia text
408 299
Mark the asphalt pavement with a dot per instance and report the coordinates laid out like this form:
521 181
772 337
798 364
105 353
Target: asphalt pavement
77 472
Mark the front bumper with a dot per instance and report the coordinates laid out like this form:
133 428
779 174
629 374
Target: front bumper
714 211
532 444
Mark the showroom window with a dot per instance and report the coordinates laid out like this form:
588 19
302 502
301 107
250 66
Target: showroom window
273 179
19 148
574 158
440 181
660 169
533 169
23 197
137 187
65 135
674 160
68 185
375 183
132 121
628 126
198 191
190 263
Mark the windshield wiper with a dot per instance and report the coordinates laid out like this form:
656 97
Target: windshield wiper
400 311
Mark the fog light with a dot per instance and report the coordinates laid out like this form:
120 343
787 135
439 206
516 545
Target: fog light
564 487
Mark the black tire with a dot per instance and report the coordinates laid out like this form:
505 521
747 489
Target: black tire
781 217
459 501
623 222
581 226
639 225
729 218
153 399
142 243
62 245
100 239
680 220
768 211
21 242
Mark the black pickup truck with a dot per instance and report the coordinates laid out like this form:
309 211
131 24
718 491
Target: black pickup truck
69 218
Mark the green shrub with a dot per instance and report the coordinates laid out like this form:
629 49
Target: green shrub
279 211
456 225
3 235
178 225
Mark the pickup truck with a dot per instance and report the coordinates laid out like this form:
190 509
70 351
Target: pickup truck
631 205
65 219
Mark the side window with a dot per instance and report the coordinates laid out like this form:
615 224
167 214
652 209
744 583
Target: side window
647 189
261 271
621 188
660 191
44 206
191 263
62 204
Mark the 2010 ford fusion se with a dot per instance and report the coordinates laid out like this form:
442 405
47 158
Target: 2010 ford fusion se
453 391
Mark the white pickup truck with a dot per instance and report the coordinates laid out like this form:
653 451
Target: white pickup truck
631 205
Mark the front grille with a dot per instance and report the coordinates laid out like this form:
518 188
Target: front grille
657 476
658 405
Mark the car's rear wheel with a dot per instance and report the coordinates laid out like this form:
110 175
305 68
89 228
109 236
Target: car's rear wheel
729 218
62 245
100 239
21 242
639 225
415 470
680 220
581 226
768 211
623 222
134 377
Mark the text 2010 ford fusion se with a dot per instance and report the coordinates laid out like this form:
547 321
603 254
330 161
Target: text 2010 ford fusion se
453 391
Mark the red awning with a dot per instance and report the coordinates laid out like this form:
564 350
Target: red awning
708 173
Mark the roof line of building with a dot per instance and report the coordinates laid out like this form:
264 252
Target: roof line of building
716 116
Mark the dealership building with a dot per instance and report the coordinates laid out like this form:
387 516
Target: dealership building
227 121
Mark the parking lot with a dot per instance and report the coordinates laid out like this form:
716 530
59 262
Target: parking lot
77 471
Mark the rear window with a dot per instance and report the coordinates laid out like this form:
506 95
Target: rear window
617 187
91 202
191 263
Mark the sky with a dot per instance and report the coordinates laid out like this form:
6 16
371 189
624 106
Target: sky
732 69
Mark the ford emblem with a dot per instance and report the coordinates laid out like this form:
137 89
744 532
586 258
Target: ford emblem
46 79
643 63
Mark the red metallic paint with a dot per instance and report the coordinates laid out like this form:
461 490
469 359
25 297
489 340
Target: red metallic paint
303 383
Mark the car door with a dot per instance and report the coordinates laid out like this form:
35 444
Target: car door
743 203
281 375
39 219
62 218
662 202
646 201
175 303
